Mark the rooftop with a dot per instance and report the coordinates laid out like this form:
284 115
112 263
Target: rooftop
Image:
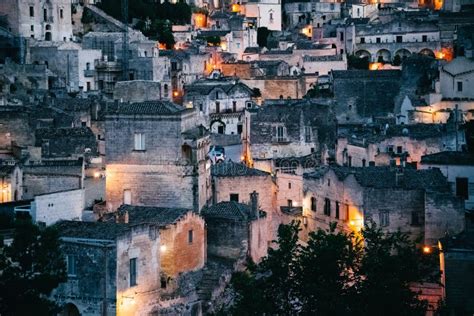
90 230
160 216
367 74
230 210
48 133
449 158
233 169
144 108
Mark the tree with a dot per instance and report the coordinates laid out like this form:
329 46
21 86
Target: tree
355 62
335 274
30 268
397 60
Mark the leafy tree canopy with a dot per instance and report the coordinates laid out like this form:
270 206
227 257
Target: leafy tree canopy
30 268
335 273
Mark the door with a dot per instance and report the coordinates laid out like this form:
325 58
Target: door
127 196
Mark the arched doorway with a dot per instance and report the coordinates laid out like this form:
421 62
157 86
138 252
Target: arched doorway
403 53
427 52
48 36
363 54
70 310
218 127
383 55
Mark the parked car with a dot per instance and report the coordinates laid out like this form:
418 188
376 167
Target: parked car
216 154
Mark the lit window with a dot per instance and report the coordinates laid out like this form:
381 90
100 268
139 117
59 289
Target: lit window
139 141
133 271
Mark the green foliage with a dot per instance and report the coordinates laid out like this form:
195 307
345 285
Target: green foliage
397 60
355 62
30 268
213 40
262 36
335 273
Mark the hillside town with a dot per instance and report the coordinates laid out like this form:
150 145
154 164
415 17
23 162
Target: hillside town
158 157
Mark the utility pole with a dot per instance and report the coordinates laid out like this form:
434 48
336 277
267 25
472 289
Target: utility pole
124 4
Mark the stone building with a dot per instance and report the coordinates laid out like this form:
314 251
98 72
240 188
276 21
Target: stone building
417 202
234 229
107 265
11 187
266 13
362 95
221 102
156 156
48 20
395 144
287 129
73 65
457 79
16 124
458 168
66 142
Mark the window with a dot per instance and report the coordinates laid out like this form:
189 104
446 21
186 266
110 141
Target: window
139 141
384 218
234 197
218 107
290 203
399 38
390 149
71 265
88 86
341 36
45 14
165 90
234 106
327 207
32 28
346 212
133 271
307 134
61 13
271 17
337 210
239 128
217 95
377 40
190 236
462 188
174 66
363 162
349 161
32 11
459 86
127 196
424 38
415 218
88 66
362 40
280 133
399 149
313 204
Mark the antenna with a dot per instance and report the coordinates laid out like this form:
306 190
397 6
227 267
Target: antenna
124 4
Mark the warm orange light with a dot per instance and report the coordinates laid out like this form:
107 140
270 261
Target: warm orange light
427 249
438 4
307 30
162 46
236 7
375 66
96 174
200 20
444 53
175 93
224 46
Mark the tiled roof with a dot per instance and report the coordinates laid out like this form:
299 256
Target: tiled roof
389 177
161 216
368 74
449 158
230 210
233 169
90 230
147 107
48 133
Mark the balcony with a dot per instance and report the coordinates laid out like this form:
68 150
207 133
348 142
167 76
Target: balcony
89 73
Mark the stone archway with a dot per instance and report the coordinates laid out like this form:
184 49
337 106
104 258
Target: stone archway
427 52
70 310
363 53
383 55
403 53
217 126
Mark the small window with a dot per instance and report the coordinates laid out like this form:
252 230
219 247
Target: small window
462 188
289 185
88 66
399 149
234 106
337 210
424 38
234 197
61 13
415 218
362 40
218 107
307 134
313 204
390 149
32 11
133 271
165 90
127 197
377 40
363 162
190 236
71 265
45 14
271 17
329 182
290 203
384 218
399 39
459 86
327 207
32 28
139 141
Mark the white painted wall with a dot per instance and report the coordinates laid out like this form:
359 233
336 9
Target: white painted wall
50 208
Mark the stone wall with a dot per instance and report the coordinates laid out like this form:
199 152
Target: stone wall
137 91
36 184
225 237
177 253
15 126
276 87
50 208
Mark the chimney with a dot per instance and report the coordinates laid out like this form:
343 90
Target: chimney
254 204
